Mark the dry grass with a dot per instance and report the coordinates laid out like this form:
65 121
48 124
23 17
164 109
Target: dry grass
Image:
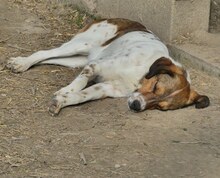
59 17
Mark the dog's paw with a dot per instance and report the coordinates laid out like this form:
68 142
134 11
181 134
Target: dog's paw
17 64
54 107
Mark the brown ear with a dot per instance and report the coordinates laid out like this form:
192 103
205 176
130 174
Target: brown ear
200 101
163 66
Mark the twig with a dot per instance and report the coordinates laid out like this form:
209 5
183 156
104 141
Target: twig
2 67
82 157
6 39
3 18
17 47
198 142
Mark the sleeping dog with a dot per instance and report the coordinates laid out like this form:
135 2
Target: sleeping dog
124 59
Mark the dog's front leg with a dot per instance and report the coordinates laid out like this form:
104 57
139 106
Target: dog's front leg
88 73
94 92
80 82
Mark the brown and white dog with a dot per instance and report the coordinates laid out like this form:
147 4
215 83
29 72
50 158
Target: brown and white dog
125 60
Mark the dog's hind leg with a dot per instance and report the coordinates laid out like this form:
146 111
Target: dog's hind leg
73 62
92 36
71 48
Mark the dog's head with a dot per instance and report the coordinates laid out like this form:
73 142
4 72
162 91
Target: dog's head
165 87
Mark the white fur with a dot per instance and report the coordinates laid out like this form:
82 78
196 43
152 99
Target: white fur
117 68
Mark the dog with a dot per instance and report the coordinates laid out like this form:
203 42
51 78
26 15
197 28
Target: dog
124 59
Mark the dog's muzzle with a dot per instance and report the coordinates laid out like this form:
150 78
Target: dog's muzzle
136 102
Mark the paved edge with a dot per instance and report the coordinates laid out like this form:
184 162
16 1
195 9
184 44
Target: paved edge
188 59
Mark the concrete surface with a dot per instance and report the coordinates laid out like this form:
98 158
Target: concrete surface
200 50
199 57
189 16
167 18
215 16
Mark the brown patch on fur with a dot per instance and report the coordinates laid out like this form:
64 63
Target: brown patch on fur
163 105
90 24
97 88
84 93
92 66
88 70
124 26
85 72
164 66
147 85
64 96
110 40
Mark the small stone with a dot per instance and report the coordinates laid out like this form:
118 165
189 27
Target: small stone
117 166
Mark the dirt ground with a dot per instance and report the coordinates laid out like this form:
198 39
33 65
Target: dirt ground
114 141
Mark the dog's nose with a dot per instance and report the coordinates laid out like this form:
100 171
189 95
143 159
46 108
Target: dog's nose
135 106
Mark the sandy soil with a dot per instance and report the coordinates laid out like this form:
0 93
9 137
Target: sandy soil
114 141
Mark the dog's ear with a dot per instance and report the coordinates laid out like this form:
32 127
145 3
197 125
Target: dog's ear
200 101
163 66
